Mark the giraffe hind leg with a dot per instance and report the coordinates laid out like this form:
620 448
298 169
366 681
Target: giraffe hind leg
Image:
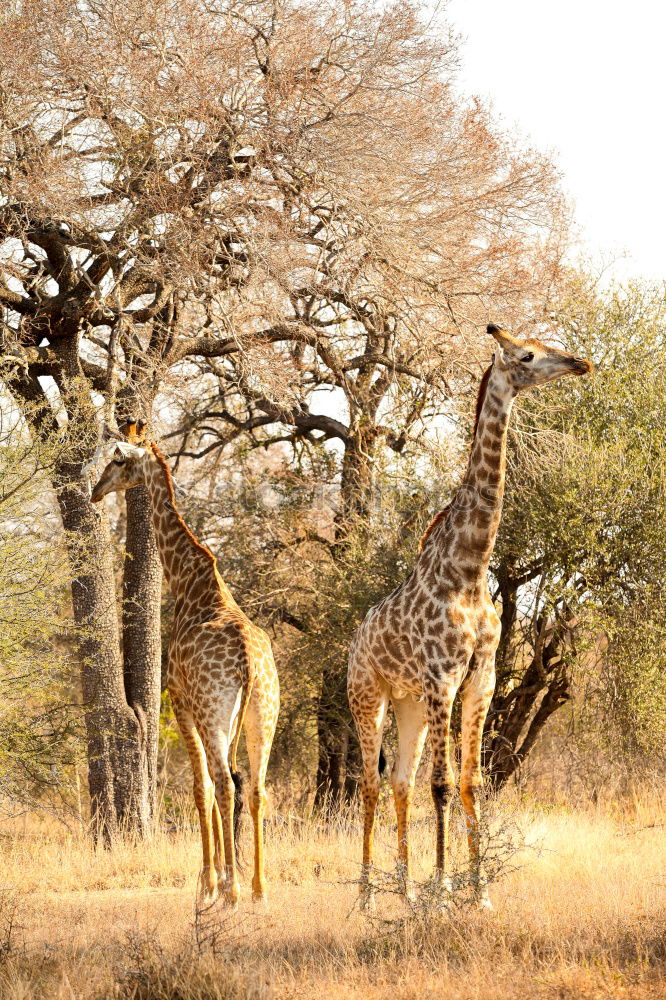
440 686
204 798
216 730
217 837
260 722
224 794
368 699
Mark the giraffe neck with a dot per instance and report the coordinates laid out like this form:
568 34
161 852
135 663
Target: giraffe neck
477 507
186 561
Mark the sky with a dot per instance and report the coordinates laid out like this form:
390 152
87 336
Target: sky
587 81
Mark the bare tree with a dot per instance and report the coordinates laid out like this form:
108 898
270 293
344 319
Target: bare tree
275 199
120 171
400 221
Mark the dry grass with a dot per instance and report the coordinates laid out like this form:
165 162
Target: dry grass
583 915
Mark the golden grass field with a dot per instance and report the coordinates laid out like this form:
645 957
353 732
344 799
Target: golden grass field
583 914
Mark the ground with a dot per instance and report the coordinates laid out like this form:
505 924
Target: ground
580 911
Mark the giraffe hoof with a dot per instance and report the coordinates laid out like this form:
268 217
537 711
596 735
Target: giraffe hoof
230 897
260 900
208 891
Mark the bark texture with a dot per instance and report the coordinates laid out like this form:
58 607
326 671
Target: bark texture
116 735
142 648
339 758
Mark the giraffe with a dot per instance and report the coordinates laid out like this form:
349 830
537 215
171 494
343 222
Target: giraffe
437 633
221 674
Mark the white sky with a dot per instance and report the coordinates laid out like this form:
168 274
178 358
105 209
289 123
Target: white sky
585 79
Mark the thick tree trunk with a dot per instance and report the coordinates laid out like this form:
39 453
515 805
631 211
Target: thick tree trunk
357 484
120 687
142 651
116 738
333 733
338 764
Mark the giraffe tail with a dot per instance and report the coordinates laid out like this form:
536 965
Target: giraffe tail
381 765
237 779
236 775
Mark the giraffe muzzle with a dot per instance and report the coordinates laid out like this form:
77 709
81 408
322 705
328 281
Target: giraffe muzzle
581 366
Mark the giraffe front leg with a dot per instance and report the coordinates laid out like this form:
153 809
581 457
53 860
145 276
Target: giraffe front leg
476 695
217 836
224 793
440 688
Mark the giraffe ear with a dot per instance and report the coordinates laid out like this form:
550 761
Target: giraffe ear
499 358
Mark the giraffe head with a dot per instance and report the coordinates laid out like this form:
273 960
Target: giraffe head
126 468
527 363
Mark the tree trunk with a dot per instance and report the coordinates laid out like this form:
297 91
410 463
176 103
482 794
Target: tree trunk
120 688
508 589
333 732
516 718
338 764
116 738
357 484
142 647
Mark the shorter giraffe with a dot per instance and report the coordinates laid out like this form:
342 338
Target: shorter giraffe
437 633
221 674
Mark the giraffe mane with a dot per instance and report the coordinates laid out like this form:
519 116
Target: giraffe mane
164 465
443 514
480 398
437 519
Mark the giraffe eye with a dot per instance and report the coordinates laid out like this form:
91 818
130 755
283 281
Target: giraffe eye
527 358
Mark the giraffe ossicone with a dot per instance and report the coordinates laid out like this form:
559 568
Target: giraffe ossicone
436 635
220 674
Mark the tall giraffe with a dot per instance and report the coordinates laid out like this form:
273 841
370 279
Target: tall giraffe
221 674
437 633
